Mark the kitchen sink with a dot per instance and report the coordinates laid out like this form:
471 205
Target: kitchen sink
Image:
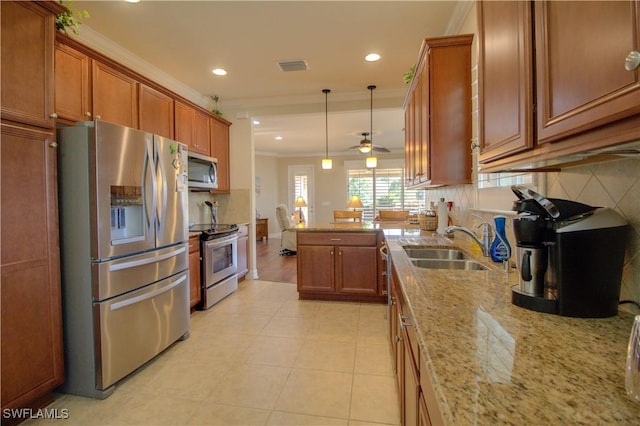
455 264
434 253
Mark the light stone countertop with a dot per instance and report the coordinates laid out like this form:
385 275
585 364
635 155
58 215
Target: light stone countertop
491 362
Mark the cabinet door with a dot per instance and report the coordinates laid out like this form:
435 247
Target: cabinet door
356 270
201 142
220 150
26 80
115 96
72 84
194 271
194 278
243 256
423 126
411 386
423 413
505 79
450 112
315 268
580 76
156 112
409 171
32 361
184 123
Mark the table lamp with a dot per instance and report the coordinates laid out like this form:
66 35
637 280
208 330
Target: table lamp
299 203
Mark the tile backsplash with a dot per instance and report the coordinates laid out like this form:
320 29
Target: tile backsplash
613 184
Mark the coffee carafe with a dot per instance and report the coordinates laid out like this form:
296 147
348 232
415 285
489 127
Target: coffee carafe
569 256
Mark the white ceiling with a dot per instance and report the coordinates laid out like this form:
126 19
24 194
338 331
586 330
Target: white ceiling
187 39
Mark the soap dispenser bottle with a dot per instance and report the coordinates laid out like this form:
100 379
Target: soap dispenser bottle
500 248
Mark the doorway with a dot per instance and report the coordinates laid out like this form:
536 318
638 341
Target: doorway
301 184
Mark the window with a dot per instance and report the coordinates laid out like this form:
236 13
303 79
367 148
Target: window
492 180
382 188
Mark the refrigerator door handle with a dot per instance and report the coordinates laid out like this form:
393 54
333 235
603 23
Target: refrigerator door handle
146 296
141 262
162 202
147 168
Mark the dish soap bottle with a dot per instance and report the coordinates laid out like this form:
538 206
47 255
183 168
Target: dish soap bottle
500 248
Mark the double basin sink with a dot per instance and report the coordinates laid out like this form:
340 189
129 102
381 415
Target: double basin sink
442 258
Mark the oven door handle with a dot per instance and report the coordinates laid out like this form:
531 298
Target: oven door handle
219 241
141 262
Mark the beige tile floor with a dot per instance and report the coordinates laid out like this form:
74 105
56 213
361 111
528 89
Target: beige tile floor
259 357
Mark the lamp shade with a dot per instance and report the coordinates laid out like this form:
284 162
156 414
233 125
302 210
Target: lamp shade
355 202
371 162
300 202
327 163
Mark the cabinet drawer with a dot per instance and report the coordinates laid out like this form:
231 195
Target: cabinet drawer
337 238
194 244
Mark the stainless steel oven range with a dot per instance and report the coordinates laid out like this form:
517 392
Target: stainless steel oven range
219 262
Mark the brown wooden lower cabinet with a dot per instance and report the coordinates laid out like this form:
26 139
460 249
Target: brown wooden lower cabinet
194 271
339 266
243 251
417 402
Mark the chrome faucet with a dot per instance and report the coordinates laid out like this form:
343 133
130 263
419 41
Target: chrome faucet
484 243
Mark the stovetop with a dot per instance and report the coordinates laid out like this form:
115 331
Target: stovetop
209 232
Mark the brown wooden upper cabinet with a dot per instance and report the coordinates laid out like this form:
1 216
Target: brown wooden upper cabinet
27 78
220 150
73 85
114 95
438 114
192 128
584 97
156 112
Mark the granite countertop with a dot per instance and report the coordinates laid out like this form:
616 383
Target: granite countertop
491 362
388 228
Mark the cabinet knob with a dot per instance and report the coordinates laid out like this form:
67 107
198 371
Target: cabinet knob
632 61
87 114
53 144
53 115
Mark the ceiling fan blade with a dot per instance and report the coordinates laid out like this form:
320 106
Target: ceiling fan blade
380 149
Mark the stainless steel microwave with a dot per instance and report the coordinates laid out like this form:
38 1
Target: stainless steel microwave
203 171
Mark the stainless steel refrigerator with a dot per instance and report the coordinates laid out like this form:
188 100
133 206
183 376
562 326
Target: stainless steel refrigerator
123 236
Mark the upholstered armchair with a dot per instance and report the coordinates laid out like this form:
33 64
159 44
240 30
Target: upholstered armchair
288 238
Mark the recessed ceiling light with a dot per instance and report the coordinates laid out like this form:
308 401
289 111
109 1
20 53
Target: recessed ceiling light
219 71
372 57
278 138
132 1
256 122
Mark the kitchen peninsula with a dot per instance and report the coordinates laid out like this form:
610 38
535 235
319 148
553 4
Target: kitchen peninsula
341 261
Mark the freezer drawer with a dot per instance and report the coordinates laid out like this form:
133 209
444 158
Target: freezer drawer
139 325
128 273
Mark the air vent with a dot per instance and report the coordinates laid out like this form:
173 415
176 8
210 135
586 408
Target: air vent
287 66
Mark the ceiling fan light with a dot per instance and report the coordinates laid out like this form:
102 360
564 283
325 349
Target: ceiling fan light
371 162
365 148
327 163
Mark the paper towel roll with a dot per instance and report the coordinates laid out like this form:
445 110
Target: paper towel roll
443 216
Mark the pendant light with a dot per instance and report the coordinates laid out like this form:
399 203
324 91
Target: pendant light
327 164
371 162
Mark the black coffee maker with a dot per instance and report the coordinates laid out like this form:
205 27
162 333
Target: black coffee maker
570 256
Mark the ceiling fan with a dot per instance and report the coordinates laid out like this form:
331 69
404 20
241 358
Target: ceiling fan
366 146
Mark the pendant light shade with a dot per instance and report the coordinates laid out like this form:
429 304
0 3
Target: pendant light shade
371 162
327 164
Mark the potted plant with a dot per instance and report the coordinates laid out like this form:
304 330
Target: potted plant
68 20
